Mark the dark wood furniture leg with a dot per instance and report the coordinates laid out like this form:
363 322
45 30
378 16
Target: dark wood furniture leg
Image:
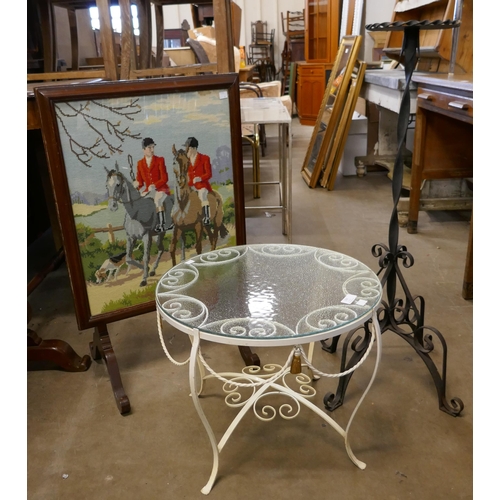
43 354
47 354
101 348
416 171
467 284
249 357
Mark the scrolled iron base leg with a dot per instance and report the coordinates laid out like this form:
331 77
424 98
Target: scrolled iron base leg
423 345
193 363
332 346
406 322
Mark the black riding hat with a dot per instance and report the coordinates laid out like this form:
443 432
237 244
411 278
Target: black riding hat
147 141
191 142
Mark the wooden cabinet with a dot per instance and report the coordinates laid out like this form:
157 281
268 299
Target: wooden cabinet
322 23
311 83
322 19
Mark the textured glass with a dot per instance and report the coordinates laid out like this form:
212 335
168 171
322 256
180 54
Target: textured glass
263 110
268 291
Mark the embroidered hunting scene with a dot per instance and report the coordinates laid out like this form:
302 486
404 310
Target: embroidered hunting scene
151 184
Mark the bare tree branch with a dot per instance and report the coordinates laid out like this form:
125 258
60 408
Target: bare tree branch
105 129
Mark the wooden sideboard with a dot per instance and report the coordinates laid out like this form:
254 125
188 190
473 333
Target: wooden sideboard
311 84
322 27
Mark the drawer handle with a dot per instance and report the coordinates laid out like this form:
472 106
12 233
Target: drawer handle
425 97
458 105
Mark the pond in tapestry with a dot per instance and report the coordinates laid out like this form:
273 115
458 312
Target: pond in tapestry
151 183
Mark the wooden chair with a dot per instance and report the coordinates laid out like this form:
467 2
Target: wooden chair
222 13
199 52
42 11
293 26
261 51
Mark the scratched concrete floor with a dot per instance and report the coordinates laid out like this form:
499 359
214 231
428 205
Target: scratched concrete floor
79 446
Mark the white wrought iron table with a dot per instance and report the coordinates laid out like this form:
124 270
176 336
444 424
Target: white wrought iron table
268 295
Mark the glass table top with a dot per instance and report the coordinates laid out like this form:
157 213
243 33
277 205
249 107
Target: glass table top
264 110
254 294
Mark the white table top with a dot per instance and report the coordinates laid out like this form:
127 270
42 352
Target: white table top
264 110
385 89
460 82
268 294
393 79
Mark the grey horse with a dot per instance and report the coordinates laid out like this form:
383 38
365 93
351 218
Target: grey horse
140 219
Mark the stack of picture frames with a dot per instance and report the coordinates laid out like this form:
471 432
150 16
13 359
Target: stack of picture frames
330 132
98 139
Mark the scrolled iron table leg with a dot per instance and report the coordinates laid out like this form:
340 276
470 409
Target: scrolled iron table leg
193 360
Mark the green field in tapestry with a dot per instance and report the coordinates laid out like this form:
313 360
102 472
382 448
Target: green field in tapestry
96 247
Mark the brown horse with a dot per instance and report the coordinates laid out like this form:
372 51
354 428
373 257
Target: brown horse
187 212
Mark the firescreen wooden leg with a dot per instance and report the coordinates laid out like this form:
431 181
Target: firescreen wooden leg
101 348
249 357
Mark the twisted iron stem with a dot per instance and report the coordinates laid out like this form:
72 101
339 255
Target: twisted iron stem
404 316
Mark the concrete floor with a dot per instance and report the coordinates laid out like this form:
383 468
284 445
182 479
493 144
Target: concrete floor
79 446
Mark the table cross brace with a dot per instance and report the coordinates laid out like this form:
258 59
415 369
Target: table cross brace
267 385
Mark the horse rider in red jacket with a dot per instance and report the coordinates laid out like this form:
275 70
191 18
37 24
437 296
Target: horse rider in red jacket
152 173
199 175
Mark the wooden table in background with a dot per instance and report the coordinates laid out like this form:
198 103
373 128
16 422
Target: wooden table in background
443 146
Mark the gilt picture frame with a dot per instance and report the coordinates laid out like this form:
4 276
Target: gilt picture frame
330 110
145 173
341 133
352 13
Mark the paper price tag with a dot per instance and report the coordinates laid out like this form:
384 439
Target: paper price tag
348 299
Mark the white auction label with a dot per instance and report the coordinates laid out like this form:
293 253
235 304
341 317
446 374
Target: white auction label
348 299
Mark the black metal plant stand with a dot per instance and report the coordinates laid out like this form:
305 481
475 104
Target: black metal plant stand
403 316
